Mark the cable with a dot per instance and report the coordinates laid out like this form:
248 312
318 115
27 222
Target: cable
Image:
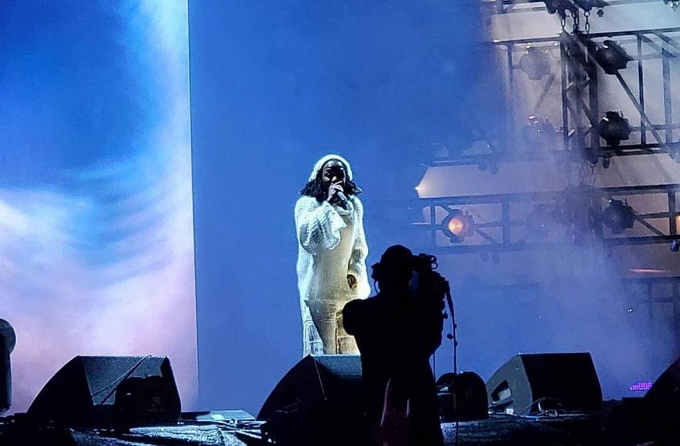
453 336
558 402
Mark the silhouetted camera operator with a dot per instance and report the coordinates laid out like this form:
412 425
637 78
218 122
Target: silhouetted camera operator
397 331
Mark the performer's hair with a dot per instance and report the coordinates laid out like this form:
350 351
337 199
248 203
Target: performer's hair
315 188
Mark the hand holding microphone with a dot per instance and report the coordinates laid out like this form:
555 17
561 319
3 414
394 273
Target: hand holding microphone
336 194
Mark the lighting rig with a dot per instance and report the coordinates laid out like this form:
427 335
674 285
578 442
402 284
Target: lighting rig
555 6
502 222
457 225
582 65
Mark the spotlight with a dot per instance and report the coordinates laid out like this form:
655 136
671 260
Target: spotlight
587 5
674 4
560 6
457 226
606 161
619 216
535 63
614 128
674 151
612 57
540 134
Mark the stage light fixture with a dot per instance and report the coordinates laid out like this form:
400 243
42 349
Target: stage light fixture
588 5
535 63
674 151
560 6
539 134
619 216
606 161
457 226
611 57
614 128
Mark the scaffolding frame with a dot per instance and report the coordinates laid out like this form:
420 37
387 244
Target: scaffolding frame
519 6
580 105
508 219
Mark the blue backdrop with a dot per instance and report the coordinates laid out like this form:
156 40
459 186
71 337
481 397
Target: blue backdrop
275 85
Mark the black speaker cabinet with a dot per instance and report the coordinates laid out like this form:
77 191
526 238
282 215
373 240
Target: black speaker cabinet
554 380
7 342
317 402
85 391
662 401
462 397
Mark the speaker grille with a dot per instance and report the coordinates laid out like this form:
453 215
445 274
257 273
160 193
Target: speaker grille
568 379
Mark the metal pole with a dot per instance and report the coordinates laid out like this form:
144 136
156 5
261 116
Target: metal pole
565 98
593 92
667 104
511 93
672 224
433 226
641 91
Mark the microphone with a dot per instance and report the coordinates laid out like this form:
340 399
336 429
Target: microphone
342 200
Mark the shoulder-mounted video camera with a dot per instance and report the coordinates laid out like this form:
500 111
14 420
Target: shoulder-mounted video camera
424 263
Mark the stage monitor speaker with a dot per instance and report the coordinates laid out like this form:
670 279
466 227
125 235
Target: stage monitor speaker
102 391
565 381
462 397
7 343
662 400
317 402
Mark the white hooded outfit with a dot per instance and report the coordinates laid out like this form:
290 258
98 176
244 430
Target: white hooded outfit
332 246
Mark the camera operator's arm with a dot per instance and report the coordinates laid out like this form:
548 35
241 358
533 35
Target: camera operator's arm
431 299
318 224
357 276
351 314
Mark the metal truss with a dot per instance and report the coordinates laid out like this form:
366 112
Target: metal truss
657 288
519 6
580 80
581 211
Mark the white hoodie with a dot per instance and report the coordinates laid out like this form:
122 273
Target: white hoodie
332 245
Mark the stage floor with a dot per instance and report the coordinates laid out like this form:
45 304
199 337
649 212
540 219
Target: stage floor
599 429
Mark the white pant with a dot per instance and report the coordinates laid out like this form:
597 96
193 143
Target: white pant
324 333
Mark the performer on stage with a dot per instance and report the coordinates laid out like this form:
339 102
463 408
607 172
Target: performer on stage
331 265
397 331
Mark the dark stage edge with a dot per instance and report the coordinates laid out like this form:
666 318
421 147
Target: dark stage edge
498 430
